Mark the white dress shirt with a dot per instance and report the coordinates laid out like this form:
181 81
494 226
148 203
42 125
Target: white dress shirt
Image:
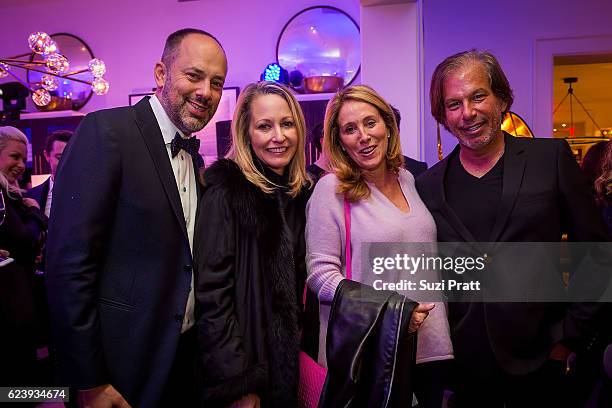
184 175
47 208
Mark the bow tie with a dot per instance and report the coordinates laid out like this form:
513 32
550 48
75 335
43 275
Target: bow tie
191 145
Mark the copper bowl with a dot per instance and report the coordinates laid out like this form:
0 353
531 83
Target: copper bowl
321 84
57 103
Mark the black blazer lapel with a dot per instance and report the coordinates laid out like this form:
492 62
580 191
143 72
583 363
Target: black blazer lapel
40 193
514 168
199 175
149 129
198 172
45 193
446 210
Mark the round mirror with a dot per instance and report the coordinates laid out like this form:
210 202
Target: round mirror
70 94
320 42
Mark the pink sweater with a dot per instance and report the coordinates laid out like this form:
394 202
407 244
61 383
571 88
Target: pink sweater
375 219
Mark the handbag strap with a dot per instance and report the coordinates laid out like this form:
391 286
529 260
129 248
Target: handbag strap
347 238
347 248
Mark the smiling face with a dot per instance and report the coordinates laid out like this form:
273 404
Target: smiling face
12 160
473 112
273 132
190 88
363 134
54 156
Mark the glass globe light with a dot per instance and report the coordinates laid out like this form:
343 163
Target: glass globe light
39 41
97 67
49 82
57 63
99 86
41 97
51 47
3 70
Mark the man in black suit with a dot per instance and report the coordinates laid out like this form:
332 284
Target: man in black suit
496 188
120 268
54 148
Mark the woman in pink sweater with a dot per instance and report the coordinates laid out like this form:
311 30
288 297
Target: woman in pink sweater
361 139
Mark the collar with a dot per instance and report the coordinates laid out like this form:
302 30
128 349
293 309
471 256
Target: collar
282 181
168 129
278 180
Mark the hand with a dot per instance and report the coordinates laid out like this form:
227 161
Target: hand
419 315
4 253
30 202
104 396
248 401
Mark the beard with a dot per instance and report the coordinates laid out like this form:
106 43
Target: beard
491 129
179 114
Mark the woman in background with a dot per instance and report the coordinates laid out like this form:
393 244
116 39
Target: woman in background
591 163
361 139
603 185
250 256
21 226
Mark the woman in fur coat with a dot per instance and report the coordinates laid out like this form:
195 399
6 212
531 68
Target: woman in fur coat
250 256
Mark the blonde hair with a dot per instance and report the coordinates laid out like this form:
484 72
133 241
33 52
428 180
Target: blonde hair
9 133
352 182
240 151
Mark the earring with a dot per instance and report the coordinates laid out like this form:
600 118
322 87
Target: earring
388 135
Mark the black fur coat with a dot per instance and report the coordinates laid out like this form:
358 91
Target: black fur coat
249 253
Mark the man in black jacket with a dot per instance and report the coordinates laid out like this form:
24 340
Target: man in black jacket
495 188
119 266
54 148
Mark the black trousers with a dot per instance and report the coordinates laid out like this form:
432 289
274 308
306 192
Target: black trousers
430 382
180 390
546 387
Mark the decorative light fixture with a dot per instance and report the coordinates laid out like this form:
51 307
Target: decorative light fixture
276 73
515 125
53 65
570 92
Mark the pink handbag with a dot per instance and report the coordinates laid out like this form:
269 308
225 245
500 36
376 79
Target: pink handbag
312 379
312 374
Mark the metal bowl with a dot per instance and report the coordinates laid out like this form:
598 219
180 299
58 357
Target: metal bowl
323 84
57 103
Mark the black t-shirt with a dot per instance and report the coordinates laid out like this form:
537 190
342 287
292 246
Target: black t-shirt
474 200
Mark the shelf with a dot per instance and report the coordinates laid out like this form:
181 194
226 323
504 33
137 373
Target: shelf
51 114
314 97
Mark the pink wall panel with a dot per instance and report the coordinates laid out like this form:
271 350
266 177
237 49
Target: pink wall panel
129 34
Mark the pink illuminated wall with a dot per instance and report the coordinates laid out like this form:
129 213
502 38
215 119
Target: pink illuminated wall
510 30
129 34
